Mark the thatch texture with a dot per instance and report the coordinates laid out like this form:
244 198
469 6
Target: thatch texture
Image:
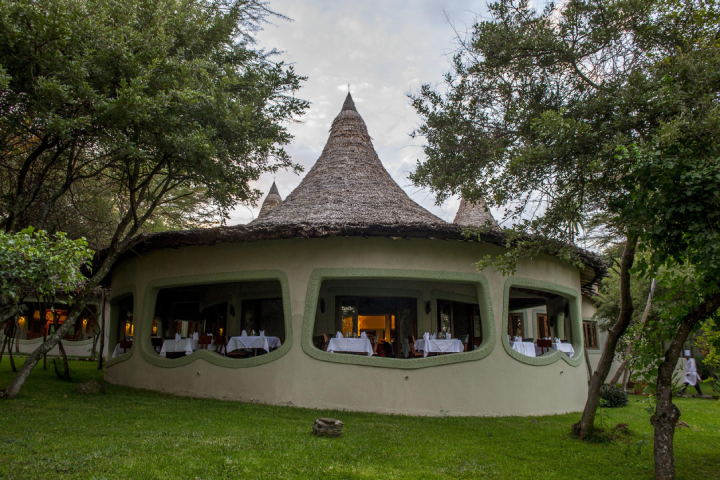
474 214
347 193
348 185
272 200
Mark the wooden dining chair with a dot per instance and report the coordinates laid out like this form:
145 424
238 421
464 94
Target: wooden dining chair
125 344
220 343
464 340
414 353
156 344
544 345
204 342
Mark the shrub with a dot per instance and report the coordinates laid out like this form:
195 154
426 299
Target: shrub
613 396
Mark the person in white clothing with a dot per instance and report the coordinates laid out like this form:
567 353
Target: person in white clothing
692 377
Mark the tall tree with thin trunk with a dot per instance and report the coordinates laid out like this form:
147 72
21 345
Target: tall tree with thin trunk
594 115
157 100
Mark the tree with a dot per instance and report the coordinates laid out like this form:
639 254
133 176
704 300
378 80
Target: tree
595 114
33 264
156 100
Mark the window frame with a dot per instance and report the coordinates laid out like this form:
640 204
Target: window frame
591 325
478 280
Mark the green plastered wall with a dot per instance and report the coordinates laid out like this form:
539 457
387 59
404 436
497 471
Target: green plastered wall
487 381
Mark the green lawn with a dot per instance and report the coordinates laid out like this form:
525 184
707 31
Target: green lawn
49 431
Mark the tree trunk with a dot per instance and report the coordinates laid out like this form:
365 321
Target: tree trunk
2 347
13 330
589 367
43 319
66 365
626 380
16 385
102 330
583 428
638 335
666 412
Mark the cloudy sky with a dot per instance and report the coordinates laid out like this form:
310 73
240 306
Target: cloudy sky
384 50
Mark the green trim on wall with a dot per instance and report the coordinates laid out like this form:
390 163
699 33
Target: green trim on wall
117 294
321 274
146 316
574 299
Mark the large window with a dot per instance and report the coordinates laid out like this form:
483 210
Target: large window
461 320
238 320
590 335
387 322
549 325
391 318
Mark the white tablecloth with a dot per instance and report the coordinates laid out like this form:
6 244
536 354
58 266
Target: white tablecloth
182 345
195 343
564 347
440 345
359 345
525 348
266 343
118 351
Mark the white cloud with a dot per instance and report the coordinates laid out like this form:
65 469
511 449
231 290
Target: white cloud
383 50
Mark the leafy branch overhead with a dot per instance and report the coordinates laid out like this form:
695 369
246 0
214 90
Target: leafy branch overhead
35 264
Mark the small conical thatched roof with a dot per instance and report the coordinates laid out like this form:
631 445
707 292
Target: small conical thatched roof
474 214
348 185
272 200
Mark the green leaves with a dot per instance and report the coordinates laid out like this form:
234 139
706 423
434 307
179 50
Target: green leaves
147 98
32 263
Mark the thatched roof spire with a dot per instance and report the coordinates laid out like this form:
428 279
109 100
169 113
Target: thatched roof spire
272 200
348 186
474 214
349 104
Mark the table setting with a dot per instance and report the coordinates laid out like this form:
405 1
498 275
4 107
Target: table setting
253 341
432 344
340 344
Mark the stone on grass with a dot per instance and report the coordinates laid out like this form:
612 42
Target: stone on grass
93 387
327 426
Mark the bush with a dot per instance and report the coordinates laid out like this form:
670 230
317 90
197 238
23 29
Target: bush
705 371
613 396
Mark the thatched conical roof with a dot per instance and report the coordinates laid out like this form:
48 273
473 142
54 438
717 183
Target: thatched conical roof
272 200
348 185
349 193
474 214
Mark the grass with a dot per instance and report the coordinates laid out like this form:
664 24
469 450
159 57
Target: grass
49 431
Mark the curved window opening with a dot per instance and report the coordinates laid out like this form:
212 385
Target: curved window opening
237 320
397 319
539 322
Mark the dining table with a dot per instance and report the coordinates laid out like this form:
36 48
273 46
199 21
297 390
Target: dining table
253 341
176 346
438 345
564 347
350 345
524 348
118 351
